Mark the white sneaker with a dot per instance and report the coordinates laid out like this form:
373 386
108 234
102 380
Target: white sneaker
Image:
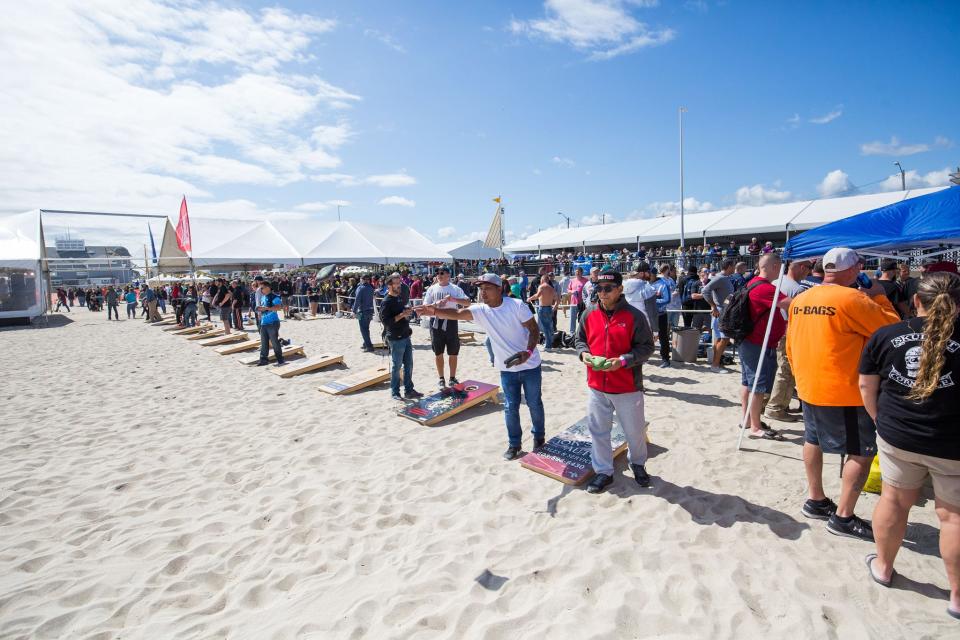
719 370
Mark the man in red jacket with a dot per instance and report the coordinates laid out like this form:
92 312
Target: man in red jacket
614 340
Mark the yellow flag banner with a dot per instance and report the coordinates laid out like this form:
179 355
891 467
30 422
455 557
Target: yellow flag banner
497 199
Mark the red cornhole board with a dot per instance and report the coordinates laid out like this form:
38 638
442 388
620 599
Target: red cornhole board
566 456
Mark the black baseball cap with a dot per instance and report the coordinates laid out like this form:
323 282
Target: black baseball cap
611 276
888 264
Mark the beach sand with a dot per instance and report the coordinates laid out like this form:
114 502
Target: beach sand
150 488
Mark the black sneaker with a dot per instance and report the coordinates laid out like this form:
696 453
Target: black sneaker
853 528
263 363
454 381
640 475
512 453
396 396
822 510
538 442
412 395
599 483
665 364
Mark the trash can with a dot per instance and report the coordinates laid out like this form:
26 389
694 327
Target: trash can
685 344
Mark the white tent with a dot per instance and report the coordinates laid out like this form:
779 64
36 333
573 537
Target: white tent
724 223
469 250
21 266
226 242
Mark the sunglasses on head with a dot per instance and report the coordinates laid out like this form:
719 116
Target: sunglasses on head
606 288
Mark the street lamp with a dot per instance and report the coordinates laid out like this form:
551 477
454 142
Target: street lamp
561 213
903 177
680 113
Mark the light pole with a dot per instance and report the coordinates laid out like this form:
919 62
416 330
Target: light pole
680 113
903 177
561 213
338 213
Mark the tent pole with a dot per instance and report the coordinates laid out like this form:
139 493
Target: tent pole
763 348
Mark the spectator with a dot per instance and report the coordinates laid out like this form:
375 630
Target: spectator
829 325
784 385
754 247
664 286
716 293
732 251
892 288
909 286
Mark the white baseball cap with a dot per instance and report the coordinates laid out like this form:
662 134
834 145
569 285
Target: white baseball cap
490 278
840 259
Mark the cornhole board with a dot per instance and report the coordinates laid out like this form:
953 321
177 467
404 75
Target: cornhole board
467 336
200 328
167 321
379 345
206 334
439 406
230 349
566 456
357 381
236 336
290 350
307 365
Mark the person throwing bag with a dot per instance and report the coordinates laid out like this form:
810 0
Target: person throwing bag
614 340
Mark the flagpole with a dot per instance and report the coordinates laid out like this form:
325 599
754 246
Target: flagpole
502 232
146 265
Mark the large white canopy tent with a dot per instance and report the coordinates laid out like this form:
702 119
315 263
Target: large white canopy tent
21 266
247 243
469 250
785 218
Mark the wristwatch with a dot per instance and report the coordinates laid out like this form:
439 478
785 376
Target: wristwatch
623 360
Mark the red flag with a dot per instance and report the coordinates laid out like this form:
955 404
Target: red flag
183 227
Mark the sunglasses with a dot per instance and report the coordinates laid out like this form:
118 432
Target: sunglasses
606 288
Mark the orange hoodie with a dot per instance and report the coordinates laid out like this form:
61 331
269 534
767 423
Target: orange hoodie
829 324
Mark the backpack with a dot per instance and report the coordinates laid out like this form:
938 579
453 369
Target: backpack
735 321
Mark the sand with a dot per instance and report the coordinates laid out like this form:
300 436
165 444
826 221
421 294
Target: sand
151 488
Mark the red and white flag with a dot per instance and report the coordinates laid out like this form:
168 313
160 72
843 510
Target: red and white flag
183 227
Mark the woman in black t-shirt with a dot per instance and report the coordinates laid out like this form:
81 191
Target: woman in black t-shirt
909 377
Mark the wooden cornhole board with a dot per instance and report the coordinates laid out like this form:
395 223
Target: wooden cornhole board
165 322
236 336
379 345
200 328
357 381
449 402
290 350
467 336
566 456
230 349
206 334
307 365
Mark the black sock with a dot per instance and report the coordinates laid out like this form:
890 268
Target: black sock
820 503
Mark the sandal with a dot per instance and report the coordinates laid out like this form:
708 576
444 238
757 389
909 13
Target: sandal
869 562
766 435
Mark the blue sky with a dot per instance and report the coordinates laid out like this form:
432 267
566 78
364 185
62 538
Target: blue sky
421 112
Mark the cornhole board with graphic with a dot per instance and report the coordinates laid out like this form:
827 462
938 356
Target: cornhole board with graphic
306 365
212 333
236 336
566 456
357 381
439 406
230 349
200 328
289 350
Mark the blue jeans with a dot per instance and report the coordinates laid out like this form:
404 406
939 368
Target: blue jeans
545 322
162 303
364 318
401 353
270 337
529 381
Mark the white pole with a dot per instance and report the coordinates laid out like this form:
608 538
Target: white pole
763 348
682 239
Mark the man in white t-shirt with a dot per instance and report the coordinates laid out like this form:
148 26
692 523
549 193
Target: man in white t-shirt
513 335
445 334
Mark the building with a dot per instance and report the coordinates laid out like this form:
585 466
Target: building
73 263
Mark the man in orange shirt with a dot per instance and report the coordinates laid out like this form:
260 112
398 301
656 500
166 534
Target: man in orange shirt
828 328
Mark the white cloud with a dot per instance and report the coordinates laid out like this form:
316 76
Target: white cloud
597 218
320 206
896 148
759 194
835 183
135 103
602 29
793 121
670 208
537 172
445 233
385 38
563 162
828 117
399 201
382 180
915 180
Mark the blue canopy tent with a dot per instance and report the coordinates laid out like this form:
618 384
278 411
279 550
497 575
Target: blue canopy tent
926 222
930 221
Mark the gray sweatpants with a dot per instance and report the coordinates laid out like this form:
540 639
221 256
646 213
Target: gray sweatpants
629 408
